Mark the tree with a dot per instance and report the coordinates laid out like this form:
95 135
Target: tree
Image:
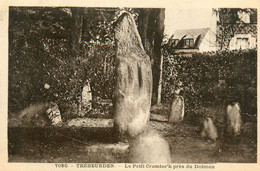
37 44
75 40
151 28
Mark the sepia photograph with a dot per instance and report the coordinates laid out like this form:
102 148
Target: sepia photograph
151 87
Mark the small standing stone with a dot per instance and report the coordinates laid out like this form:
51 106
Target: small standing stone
209 130
149 147
86 98
233 120
133 86
53 114
177 109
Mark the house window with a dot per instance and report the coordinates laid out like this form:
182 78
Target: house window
175 42
188 42
242 43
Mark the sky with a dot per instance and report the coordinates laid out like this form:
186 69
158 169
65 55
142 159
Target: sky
186 18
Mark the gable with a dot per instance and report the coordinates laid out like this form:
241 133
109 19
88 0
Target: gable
182 35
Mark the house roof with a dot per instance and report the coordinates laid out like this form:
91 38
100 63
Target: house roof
191 33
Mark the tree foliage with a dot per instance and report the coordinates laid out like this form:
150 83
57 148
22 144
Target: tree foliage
43 51
62 48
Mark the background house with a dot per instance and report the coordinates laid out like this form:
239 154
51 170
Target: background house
242 41
222 29
193 40
236 28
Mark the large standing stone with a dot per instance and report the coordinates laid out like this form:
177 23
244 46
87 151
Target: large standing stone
177 109
149 147
133 87
233 120
209 130
86 98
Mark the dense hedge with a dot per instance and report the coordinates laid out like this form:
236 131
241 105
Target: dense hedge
212 79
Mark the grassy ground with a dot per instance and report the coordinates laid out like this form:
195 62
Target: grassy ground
95 145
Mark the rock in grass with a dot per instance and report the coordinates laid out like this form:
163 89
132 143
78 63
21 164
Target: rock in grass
133 86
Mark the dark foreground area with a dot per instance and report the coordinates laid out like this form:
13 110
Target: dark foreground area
98 145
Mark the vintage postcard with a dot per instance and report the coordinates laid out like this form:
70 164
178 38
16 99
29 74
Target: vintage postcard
129 85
